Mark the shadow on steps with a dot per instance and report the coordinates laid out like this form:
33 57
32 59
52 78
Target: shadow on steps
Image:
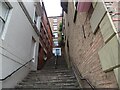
49 78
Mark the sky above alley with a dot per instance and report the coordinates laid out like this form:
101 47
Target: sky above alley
53 7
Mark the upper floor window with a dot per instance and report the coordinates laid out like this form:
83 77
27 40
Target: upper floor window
55 27
55 34
55 43
55 20
54 24
4 11
37 20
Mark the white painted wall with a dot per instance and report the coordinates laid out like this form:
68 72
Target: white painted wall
30 6
15 48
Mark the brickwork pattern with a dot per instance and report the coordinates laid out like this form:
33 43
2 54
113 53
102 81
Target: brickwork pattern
84 47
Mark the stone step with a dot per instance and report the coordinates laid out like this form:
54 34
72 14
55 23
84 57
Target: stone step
50 78
52 74
53 71
52 81
51 84
46 88
64 85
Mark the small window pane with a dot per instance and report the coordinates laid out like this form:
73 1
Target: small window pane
55 26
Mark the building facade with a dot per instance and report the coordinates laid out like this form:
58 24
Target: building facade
20 40
45 38
92 42
55 22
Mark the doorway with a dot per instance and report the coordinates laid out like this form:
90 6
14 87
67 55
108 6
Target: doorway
40 57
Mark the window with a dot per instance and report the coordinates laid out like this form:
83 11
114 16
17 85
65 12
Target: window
55 27
54 24
37 21
55 20
3 15
55 43
55 34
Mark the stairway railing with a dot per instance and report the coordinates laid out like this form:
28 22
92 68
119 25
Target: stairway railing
75 69
16 70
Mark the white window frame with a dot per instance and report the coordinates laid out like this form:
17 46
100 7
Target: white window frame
4 19
7 19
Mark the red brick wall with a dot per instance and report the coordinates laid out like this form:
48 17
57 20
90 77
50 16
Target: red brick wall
84 50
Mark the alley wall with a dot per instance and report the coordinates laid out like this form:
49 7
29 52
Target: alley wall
17 46
82 47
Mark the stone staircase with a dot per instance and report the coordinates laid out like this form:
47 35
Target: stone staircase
50 78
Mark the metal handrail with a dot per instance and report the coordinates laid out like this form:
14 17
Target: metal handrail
15 70
82 78
2 19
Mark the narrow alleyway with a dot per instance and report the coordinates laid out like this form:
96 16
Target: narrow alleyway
50 78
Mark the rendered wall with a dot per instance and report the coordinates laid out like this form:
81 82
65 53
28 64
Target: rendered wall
30 6
16 46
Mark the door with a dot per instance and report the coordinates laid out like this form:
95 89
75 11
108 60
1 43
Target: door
40 57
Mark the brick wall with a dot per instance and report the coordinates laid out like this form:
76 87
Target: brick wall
84 47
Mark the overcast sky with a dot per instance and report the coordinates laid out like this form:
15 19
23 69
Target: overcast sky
53 7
